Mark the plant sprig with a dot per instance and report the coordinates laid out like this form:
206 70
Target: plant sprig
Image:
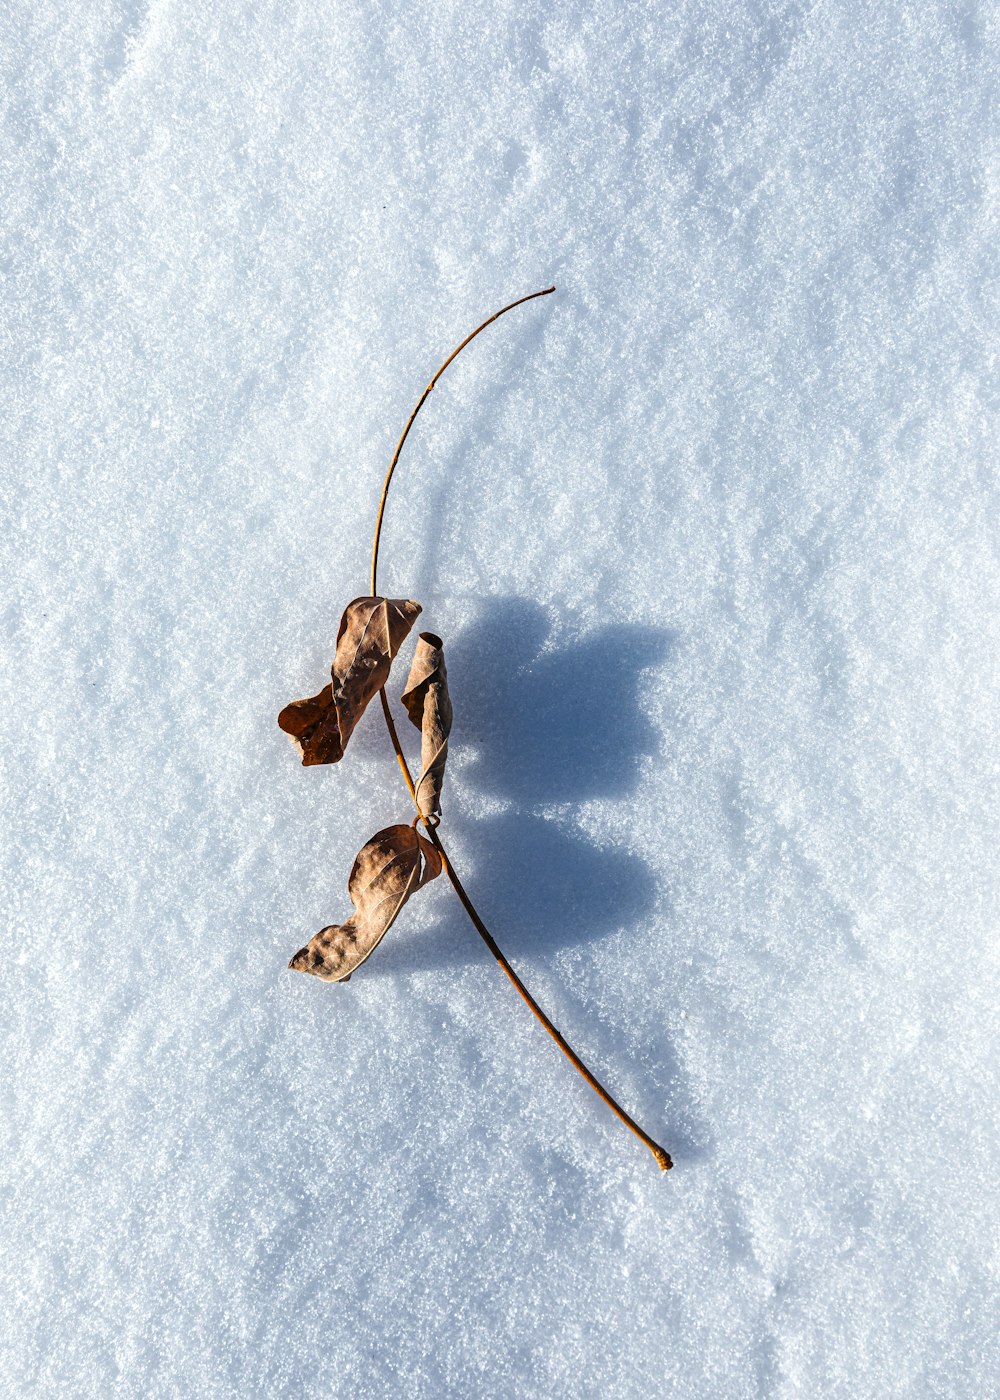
395 863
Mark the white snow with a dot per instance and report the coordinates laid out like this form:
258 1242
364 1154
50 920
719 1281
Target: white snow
711 536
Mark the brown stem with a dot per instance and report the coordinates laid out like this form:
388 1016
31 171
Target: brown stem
420 403
662 1157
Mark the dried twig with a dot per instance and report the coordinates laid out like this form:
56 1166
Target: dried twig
662 1157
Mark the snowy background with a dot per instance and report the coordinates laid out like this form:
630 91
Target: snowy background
712 537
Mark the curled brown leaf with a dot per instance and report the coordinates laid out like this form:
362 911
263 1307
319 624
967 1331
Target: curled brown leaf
371 632
390 867
429 706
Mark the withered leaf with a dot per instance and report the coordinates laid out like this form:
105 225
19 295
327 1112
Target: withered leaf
429 707
371 632
389 868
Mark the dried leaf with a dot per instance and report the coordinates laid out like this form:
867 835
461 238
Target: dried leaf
371 632
429 707
389 868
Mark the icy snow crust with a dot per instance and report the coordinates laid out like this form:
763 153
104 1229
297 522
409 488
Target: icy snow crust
711 536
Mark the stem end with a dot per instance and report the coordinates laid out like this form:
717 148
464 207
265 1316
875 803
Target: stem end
664 1160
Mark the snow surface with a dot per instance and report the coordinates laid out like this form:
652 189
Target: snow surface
712 537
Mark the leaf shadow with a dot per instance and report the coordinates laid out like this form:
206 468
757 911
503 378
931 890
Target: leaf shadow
549 723
538 726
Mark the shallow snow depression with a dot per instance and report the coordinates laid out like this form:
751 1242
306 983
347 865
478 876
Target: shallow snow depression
710 536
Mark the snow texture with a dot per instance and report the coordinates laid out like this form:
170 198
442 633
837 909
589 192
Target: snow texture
712 537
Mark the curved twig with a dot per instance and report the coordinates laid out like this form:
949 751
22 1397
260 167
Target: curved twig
662 1157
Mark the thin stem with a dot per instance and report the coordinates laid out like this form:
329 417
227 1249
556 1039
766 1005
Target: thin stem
420 403
662 1157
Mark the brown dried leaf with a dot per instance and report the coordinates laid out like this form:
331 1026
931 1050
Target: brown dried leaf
371 632
389 868
429 707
